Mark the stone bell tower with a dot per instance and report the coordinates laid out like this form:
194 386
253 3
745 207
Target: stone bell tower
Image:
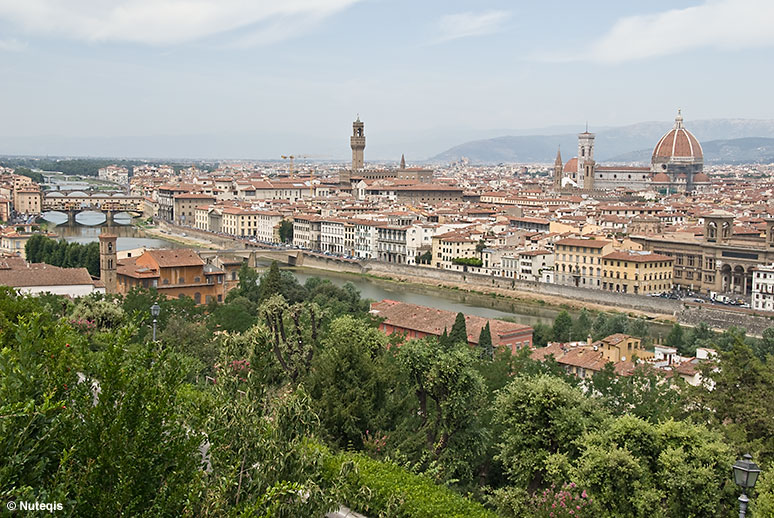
108 261
357 142
558 170
586 164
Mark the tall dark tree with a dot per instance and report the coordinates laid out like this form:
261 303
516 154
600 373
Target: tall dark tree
286 231
486 350
675 337
443 340
248 284
562 327
581 328
459 331
271 282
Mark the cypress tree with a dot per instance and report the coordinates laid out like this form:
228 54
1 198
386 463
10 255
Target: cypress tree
271 283
443 340
459 332
486 350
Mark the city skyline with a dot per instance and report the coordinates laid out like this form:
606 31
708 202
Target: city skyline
258 80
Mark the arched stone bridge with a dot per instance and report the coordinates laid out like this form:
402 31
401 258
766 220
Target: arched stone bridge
74 202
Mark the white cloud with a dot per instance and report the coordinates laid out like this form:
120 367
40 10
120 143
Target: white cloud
463 25
167 22
719 24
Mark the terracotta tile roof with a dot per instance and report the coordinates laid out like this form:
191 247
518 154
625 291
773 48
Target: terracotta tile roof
176 257
635 257
194 196
22 275
433 321
588 243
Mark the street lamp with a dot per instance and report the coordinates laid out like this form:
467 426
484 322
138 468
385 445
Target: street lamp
155 310
745 475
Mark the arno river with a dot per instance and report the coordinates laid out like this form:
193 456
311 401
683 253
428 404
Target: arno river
376 289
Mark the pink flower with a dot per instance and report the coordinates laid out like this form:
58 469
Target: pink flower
584 495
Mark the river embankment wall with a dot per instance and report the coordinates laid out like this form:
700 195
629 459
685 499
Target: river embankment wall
723 317
537 289
692 314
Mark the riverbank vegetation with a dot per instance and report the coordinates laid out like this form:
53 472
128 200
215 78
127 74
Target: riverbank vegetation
43 249
286 400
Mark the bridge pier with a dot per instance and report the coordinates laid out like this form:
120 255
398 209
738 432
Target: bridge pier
108 217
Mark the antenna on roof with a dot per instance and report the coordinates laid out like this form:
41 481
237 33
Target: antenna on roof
587 126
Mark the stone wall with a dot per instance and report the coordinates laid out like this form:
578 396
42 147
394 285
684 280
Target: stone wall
216 239
323 262
622 300
723 317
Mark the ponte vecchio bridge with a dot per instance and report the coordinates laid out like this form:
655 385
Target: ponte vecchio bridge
75 202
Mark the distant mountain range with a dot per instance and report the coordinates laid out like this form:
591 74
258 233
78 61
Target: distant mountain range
723 141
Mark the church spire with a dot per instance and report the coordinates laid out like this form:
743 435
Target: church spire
402 161
558 160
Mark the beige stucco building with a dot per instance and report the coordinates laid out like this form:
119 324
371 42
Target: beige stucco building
640 273
579 261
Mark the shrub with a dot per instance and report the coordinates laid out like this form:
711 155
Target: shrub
379 488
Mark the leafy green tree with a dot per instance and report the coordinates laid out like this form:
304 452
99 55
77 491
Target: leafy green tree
581 328
73 419
266 457
459 331
237 315
450 398
541 334
443 340
150 445
350 382
192 341
636 469
562 327
486 350
271 282
599 328
248 285
480 247
34 247
763 504
615 324
540 416
104 313
647 393
286 231
637 327
739 403
675 337
294 333
699 336
336 301
42 249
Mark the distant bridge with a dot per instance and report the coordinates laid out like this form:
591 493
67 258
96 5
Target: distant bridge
75 202
253 255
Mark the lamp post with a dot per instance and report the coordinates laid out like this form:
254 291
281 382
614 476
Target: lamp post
745 475
155 310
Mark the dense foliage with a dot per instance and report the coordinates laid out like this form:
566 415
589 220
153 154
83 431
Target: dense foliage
29 173
286 400
467 261
43 249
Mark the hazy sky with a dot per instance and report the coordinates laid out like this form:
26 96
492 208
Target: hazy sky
260 78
